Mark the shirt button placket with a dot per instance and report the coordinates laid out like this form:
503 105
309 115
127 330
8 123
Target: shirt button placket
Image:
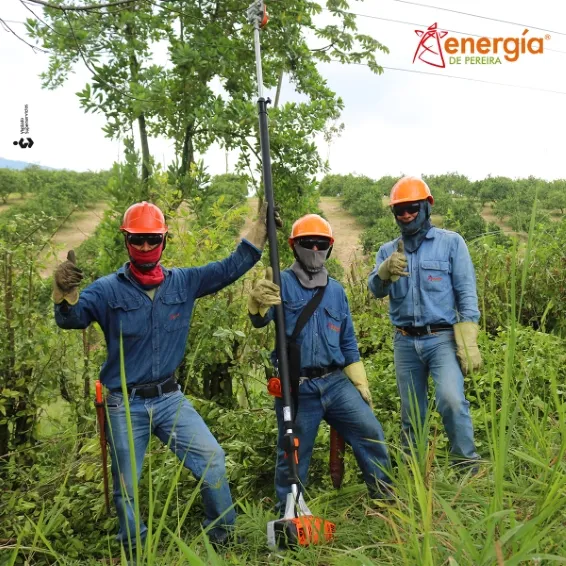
155 341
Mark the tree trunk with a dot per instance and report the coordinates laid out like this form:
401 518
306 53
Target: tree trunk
146 157
134 72
278 92
188 155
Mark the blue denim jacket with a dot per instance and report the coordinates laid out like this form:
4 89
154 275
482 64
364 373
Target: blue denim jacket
328 337
154 332
441 288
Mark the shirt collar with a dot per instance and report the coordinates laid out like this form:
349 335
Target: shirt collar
431 233
124 272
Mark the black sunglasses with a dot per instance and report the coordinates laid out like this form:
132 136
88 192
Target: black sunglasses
309 243
139 239
410 207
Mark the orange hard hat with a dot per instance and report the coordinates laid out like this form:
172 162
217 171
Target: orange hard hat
311 225
410 189
144 218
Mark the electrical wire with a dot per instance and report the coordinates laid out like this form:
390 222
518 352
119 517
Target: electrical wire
477 16
443 29
397 69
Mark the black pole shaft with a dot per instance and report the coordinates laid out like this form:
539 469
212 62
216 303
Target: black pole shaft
280 336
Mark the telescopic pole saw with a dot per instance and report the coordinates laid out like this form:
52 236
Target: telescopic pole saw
298 526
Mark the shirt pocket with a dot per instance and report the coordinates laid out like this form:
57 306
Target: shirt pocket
129 317
174 310
292 311
435 275
332 326
399 289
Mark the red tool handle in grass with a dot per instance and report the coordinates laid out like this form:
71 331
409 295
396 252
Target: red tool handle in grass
99 404
336 464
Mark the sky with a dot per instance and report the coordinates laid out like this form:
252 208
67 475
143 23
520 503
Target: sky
420 120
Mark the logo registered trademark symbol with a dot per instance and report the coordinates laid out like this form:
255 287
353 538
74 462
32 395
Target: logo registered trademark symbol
547 36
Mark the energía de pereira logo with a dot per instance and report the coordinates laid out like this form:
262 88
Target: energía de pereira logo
467 50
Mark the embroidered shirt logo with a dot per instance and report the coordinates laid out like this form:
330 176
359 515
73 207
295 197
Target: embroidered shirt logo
431 278
174 316
333 327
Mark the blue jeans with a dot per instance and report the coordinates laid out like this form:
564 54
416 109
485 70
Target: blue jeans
415 358
334 399
173 419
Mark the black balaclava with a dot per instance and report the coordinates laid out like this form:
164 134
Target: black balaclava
414 232
309 266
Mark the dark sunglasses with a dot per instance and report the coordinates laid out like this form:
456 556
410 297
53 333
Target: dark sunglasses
139 239
309 243
410 207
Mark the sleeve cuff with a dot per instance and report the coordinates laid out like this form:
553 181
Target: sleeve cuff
252 246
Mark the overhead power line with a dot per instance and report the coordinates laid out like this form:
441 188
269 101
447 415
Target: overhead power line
442 75
398 69
424 26
477 16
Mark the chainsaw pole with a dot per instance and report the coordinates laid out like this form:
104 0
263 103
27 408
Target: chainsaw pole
99 404
298 526
257 15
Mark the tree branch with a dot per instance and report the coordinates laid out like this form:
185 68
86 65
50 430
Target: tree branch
79 8
94 73
8 28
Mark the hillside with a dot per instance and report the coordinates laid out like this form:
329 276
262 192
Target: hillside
19 165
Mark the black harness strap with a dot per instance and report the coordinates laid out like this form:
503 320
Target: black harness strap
294 349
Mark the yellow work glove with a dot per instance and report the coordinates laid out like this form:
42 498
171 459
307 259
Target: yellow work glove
394 266
66 279
264 294
469 356
357 375
257 234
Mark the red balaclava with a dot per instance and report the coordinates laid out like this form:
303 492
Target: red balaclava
145 266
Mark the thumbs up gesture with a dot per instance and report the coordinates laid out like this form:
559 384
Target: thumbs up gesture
66 279
395 265
264 294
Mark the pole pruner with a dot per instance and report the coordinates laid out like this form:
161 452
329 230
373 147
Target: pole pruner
298 527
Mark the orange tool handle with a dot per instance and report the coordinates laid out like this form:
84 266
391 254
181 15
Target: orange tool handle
98 387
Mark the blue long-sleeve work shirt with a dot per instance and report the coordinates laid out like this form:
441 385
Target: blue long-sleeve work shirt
328 337
441 288
154 332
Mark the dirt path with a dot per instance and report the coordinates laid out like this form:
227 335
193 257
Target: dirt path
488 216
252 213
346 230
12 200
79 227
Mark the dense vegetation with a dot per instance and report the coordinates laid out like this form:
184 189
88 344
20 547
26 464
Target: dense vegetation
51 506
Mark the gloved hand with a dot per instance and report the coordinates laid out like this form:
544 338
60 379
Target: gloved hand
469 356
66 279
356 373
258 232
394 266
264 294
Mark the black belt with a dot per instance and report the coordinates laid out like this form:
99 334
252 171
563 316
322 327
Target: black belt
318 372
148 390
422 330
